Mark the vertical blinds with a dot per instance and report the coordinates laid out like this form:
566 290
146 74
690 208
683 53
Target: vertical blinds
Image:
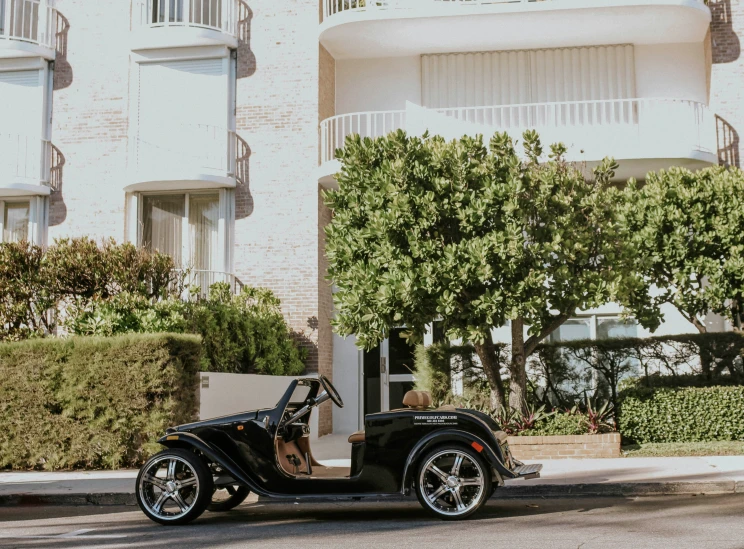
529 76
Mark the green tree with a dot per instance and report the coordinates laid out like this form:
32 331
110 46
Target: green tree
687 230
425 229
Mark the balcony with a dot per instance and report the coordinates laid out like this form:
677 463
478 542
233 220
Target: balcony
641 134
182 23
27 28
353 29
25 163
196 156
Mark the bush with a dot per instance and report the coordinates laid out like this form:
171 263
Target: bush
245 333
690 414
241 334
566 371
562 423
37 285
94 402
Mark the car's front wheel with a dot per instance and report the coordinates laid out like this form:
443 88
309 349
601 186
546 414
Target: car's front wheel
453 482
174 487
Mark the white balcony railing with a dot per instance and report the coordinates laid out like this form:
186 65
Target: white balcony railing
196 149
24 159
333 7
624 128
218 15
32 21
201 281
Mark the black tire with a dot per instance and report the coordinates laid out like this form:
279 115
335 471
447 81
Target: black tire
235 496
178 494
449 491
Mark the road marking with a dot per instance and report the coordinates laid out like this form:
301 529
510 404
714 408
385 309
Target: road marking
73 534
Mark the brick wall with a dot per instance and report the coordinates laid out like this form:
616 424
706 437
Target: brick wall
278 230
565 447
90 118
727 75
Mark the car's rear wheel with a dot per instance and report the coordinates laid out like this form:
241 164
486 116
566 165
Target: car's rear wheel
452 482
174 487
225 498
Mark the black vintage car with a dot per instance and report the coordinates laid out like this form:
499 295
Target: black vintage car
453 458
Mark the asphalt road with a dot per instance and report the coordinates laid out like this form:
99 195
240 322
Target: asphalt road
677 522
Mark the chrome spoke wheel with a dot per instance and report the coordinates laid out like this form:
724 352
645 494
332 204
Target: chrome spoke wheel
169 488
458 490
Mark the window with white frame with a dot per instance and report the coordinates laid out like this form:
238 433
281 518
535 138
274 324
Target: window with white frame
15 221
595 327
23 219
194 228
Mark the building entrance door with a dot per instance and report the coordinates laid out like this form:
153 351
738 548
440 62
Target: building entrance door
388 374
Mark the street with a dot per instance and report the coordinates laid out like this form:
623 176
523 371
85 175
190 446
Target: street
677 522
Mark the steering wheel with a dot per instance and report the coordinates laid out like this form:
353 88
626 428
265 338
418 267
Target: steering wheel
332 392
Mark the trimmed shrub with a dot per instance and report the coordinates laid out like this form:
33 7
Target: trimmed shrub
94 402
690 414
560 424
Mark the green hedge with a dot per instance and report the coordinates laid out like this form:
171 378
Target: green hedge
690 414
93 402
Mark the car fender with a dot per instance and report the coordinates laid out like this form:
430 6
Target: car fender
452 435
180 439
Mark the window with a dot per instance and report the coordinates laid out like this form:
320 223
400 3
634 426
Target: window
15 217
184 226
594 327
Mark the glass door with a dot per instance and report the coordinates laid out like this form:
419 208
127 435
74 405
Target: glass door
388 374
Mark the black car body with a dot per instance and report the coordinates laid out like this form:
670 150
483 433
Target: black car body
268 452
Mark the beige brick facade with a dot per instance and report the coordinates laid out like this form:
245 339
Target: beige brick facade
565 447
727 75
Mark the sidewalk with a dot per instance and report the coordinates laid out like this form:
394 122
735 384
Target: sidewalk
587 477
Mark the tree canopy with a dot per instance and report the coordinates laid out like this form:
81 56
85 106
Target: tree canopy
686 230
474 235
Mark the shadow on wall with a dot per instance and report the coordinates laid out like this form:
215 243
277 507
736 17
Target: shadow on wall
62 68
246 59
725 42
243 197
728 143
57 206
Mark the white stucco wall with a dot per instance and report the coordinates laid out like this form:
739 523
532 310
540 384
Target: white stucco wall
671 70
234 393
346 378
377 84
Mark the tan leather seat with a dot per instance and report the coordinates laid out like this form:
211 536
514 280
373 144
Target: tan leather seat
356 437
417 399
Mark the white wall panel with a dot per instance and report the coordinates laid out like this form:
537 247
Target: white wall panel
528 76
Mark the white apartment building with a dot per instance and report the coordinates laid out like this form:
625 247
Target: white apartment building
207 128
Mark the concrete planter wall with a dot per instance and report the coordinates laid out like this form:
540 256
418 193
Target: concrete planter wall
225 394
566 446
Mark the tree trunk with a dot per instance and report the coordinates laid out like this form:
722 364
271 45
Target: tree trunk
487 354
517 369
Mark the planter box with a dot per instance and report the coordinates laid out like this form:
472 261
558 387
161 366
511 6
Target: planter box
566 446
225 394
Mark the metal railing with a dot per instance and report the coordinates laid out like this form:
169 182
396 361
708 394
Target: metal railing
639 123
25 159
333 7
195 146
198 281
219 15
33 21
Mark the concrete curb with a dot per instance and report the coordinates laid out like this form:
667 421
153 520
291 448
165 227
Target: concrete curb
620 489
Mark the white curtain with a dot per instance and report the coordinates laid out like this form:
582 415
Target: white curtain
204 217
15 222
163 225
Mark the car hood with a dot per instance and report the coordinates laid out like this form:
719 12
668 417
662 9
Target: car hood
232 418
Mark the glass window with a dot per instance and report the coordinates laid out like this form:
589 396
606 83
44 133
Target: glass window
204 218
608 328
15 221
163 225
573 329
